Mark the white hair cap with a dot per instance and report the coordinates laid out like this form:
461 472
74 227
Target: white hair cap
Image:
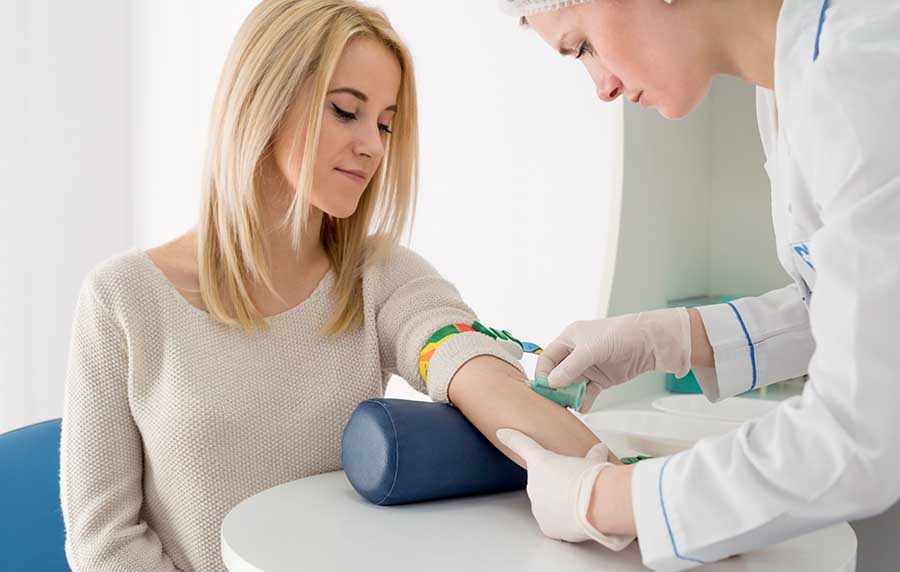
522 8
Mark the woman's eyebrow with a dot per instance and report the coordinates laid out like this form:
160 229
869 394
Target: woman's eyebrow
359 95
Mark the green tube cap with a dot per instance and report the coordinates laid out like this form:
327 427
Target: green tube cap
572 396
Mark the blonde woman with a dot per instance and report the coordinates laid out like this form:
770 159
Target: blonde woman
228 360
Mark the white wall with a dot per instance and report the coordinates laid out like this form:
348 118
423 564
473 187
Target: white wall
178 49
695 212
742 239
519 157
64 198
104 130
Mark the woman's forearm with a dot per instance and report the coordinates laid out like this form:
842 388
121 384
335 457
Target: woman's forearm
493 395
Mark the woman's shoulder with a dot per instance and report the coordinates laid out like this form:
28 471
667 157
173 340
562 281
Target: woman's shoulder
399 269
129 279
116 276
396 264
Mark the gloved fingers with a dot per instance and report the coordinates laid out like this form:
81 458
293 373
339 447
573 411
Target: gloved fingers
591 392
521 444
550 357
572 368
598 377
599 453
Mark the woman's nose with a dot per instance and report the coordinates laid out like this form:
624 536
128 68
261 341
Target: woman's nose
370 144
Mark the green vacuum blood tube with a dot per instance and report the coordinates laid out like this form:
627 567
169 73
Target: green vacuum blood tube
572 396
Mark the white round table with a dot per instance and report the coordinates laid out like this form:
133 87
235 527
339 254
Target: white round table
320 523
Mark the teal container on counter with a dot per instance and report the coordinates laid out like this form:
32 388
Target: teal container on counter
688 383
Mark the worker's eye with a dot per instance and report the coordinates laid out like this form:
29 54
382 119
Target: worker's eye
584 48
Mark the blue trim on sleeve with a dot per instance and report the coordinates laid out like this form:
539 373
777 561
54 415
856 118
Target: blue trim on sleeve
749 343
819 31
662 504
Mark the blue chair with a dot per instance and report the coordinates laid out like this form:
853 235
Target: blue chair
32 535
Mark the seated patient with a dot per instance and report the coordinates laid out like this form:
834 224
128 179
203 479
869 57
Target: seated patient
228 360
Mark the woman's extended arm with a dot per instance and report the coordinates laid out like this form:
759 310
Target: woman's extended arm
472 371
492 395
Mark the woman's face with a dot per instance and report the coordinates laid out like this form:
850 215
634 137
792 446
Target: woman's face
359 108
646 50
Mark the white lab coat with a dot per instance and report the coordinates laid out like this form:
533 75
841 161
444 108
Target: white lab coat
831 133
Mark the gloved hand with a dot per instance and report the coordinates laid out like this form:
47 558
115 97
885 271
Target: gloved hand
560 489
613 350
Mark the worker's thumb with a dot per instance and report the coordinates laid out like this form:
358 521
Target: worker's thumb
571 369
520 444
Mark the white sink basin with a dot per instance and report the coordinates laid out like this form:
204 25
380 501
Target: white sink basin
735 409
654 433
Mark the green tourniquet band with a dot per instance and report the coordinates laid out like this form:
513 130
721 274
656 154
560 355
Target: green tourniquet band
479 327
442 333
633 460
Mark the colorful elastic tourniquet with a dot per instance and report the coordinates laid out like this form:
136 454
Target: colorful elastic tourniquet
444 334
633 460
572 396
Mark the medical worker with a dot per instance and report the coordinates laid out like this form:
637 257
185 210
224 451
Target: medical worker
828 105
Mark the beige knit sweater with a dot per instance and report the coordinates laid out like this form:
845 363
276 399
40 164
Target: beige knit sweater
171 418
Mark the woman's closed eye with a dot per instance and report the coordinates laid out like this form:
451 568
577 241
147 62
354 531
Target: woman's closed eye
350 116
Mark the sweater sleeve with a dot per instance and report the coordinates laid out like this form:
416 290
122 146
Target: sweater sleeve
101 455
417 302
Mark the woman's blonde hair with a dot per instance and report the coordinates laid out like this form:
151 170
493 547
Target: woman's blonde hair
285 46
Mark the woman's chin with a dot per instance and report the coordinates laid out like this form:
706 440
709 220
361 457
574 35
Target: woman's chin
340 211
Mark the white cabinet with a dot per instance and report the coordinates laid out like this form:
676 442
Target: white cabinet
692 216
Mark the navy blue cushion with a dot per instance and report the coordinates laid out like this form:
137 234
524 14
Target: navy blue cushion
32 535
397 451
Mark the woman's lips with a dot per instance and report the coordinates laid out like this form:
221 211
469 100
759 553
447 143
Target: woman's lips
357 176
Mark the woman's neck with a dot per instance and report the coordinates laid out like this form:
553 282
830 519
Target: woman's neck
744 30
284 258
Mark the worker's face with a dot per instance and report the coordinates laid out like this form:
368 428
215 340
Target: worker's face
645 50
359 109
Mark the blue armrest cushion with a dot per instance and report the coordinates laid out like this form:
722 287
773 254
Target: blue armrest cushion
397 451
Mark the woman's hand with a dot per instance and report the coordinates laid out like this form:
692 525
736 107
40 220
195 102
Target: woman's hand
561 489
614 350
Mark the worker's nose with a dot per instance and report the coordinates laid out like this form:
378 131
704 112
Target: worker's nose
609 87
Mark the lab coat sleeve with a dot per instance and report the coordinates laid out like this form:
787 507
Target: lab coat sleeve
833 453
417 302
101 466
756 341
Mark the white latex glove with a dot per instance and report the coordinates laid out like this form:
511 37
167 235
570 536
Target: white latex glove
613 350
560 489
